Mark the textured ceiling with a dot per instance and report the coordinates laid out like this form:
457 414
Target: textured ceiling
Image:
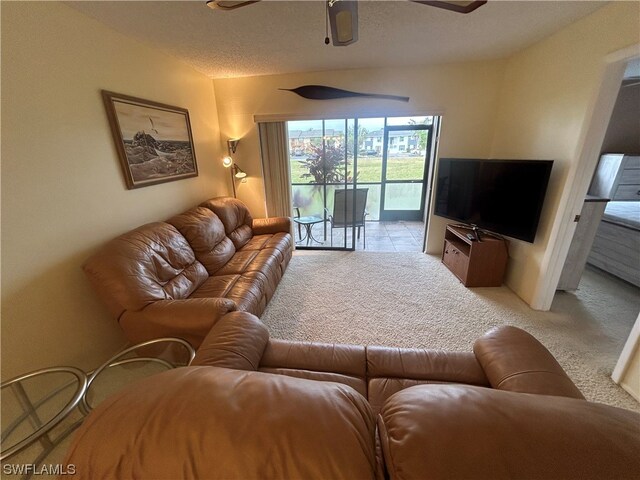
273 37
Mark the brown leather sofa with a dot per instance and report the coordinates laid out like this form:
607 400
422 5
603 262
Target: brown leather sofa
177 278
250 407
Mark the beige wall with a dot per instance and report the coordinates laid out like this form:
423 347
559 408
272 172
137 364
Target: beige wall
544 107
532 106
63 192
466 95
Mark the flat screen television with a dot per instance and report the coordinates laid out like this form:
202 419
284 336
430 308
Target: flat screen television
501 196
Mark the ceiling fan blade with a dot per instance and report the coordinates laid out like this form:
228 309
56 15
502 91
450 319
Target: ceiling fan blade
460 7
229 4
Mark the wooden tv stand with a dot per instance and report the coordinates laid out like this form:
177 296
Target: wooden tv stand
476 264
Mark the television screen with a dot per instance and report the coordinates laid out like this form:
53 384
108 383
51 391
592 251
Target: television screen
502 196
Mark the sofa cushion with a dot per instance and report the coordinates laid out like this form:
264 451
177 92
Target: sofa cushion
248 290
239 262
514 360
281 241
358 384
263 262
217 286
153 262
464 432
248 293
235 217
257 242
209 422
206 234
280 245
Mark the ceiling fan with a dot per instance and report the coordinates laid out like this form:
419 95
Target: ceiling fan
342 15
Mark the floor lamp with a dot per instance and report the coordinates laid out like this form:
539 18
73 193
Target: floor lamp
234 169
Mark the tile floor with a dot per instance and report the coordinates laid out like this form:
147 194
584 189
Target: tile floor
381 237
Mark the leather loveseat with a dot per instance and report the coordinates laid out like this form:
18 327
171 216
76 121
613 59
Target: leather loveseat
177 278
250 407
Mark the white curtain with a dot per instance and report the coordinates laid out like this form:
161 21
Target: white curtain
275 168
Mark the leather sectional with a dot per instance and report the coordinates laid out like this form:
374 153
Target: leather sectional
177 278
252 407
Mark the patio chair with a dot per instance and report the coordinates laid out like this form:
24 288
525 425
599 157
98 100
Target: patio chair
343 211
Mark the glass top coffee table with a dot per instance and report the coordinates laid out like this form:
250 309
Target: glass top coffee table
42 408
35 403
308 222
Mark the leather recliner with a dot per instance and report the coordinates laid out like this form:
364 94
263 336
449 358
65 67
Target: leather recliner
177 278
251 407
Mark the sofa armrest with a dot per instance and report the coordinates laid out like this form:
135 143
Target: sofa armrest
189 319
262 226
514 360
473 432
236 341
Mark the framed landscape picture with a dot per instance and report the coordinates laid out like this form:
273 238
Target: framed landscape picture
153 140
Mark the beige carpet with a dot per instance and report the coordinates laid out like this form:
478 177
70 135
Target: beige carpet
412 300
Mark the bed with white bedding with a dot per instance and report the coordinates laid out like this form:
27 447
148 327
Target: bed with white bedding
616 248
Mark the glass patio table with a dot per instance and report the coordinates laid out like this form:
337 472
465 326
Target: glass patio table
308 222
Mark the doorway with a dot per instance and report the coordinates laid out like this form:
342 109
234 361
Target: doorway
605 248
386 161
579 177
405 169
606 235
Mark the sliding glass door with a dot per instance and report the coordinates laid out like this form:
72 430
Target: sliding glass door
386 160
322 180
405 169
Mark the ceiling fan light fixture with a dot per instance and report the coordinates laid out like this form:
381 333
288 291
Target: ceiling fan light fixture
343 26
343 17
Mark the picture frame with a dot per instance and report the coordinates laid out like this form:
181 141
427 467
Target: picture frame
153 140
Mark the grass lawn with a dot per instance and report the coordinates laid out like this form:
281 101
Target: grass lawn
370 169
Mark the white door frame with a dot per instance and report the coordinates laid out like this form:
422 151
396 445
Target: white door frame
627 356
580 174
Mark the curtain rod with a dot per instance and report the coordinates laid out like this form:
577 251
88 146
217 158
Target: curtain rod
284 117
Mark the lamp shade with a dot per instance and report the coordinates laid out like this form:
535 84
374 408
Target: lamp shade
232 144
239 173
